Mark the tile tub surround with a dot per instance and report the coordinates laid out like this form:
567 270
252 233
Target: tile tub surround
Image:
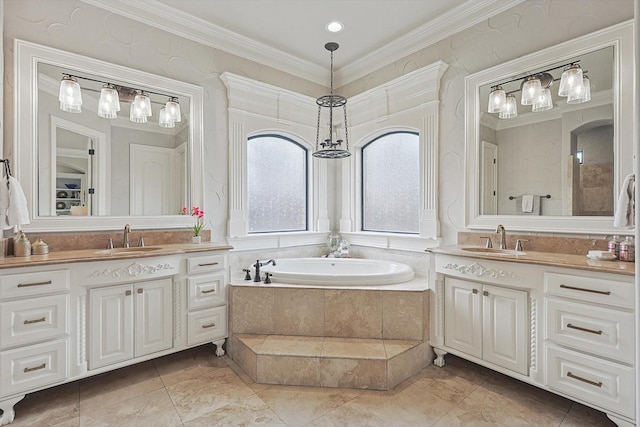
335 337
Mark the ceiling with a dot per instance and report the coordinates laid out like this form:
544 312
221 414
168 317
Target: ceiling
290 35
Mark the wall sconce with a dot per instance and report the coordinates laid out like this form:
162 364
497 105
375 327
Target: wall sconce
109 102
70 96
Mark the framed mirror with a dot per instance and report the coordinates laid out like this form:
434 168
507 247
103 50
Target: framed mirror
554 167
80 171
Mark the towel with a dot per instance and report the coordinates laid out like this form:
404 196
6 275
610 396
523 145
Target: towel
535 206
527 203
13 204
626 205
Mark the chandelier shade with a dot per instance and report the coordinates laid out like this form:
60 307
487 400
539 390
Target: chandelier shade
510 109
109 102
165 119
570 80
497 100
530 90
173 110
581 93
70 96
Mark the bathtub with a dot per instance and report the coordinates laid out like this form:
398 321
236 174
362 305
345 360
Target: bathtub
338 271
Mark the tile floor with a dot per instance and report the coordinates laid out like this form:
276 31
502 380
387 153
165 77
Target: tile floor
195 388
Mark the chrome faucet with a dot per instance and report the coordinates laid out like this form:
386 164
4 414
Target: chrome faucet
503 236
125 240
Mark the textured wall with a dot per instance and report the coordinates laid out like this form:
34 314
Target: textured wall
526 28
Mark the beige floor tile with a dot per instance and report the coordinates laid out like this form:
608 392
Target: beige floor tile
205 390
395 347
119 385
511 410
151 409
459 418
584 416
406 364
350 414
444 384
252 341
354 348
515 389
468 370
245 377
292 345
48 407
203 355
298 406
248 412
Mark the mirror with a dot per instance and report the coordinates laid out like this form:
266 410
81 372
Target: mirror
559 169
81 171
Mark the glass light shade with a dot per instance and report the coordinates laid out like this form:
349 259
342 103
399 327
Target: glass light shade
137 113
530 90
70 96
142 104
497 100
109 102
582 93
571 78
173 109
164 119
510 109
543 101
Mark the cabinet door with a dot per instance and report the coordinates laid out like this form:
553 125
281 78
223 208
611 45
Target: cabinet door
505 328
110 330
154 314
463 316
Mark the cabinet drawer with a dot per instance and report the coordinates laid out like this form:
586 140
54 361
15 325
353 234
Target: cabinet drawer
28 284
603 383
31 320
206 291
206 325
33 366
598 330
205 264
600 290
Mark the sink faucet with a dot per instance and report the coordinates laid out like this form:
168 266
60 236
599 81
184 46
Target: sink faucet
125 241
503 236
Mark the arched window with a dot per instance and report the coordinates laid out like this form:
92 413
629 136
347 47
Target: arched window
276 184
391 183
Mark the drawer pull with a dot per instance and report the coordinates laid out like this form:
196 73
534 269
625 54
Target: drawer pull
24 285
586 290
592 331
209 325
584 380
207 264
35 368
29 322
208 291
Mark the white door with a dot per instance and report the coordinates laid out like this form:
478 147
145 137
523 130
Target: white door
489 178
111 325
463 316
505 328
154 313
153 181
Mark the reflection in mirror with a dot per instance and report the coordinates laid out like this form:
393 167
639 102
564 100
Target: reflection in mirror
95 166
523 159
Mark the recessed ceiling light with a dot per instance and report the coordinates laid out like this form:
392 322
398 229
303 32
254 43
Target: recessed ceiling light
335 26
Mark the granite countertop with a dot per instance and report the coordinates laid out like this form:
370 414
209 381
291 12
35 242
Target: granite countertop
91 255
544 258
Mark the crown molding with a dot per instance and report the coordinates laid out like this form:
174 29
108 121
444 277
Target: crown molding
158 15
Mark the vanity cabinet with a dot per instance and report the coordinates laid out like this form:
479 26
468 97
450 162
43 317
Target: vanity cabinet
487 322
129 320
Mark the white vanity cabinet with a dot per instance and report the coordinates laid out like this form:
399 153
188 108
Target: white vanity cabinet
129 320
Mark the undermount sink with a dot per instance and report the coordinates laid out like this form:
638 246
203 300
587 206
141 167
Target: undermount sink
493 251
133 250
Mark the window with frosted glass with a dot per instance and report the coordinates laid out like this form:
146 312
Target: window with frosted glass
276 184
391 183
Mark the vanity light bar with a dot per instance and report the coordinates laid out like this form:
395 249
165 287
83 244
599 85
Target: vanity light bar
70 99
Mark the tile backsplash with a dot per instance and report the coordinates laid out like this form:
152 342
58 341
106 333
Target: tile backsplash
562 245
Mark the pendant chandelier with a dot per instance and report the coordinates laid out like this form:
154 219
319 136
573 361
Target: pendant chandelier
536 92
70 98
331 147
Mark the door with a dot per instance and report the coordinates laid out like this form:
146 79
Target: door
153 181
489 178
505 328
110 330
154 313
463 316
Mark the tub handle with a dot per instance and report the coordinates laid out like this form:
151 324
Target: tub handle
267 279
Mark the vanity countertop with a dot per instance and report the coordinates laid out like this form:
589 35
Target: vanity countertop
544 258
91 255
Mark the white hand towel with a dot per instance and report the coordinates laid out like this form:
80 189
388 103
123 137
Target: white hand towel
17 212
4 204
527 203
625 207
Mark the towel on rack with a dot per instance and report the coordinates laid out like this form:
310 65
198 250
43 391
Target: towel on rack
626 205
535 205
13 204
527 203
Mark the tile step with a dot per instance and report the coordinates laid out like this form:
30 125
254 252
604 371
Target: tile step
329 362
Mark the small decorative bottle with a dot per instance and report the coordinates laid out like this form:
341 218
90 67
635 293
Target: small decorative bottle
614 246
628 250
21 245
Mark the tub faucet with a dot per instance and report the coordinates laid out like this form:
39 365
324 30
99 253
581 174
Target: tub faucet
259 264
503 236
125 241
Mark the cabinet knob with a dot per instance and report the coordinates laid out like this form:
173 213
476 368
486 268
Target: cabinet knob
485 293
475 291
127 293
140 290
